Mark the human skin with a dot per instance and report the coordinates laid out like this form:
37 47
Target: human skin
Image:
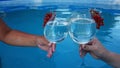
18 38
98 51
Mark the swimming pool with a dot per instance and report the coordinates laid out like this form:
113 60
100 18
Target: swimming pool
66 55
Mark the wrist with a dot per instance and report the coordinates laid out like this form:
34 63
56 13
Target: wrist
37 41
106 56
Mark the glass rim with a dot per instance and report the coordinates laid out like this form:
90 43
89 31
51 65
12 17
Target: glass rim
87 19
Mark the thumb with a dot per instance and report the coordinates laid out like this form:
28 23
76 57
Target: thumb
88 48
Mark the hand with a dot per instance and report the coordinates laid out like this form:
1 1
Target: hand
95 48
45 45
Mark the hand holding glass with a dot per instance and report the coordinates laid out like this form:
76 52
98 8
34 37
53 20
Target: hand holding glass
82 30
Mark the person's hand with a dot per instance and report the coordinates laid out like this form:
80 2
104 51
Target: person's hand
45 45
95 48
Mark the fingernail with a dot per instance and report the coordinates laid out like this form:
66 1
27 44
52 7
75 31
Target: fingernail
49 55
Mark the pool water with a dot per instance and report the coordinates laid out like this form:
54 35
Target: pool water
66 55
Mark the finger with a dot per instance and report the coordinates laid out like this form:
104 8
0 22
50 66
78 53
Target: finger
49 44
88 48
43 47
90 43
82 51
53 47
49 53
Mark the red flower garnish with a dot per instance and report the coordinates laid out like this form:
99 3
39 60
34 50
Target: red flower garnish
48 16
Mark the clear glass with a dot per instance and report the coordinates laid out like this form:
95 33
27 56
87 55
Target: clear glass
82 30
56 30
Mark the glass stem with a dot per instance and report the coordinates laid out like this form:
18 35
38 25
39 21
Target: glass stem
83 62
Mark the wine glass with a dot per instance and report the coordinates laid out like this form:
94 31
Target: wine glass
56 30
82 29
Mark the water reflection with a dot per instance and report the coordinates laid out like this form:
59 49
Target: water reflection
66 54
25 57
105 32
109 33
0 63
105 66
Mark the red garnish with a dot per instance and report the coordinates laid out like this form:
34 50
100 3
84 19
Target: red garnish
97 18
48 16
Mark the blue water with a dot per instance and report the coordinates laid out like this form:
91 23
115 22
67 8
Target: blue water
66 55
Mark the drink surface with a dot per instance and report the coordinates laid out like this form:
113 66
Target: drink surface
82 30
55 32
